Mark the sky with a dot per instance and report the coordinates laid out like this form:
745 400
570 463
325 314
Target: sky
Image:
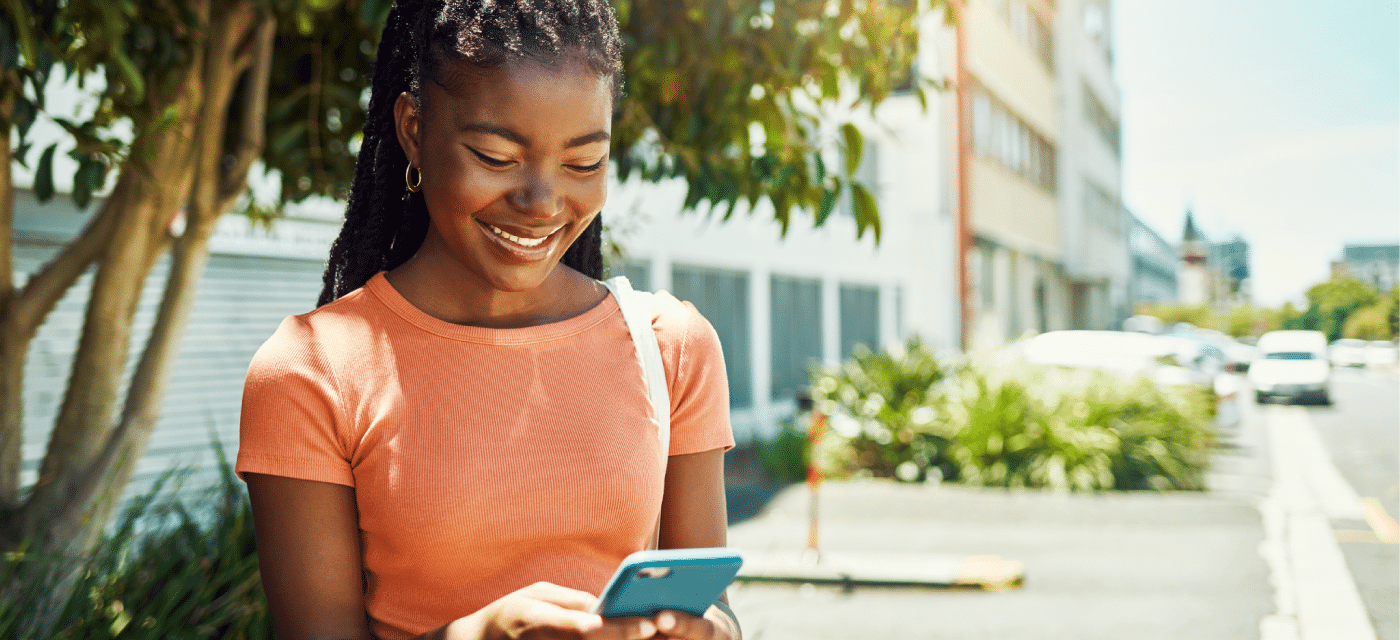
1274 120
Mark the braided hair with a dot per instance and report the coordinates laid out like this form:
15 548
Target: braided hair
385 225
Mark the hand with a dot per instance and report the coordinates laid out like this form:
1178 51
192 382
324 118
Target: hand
548 611
715 625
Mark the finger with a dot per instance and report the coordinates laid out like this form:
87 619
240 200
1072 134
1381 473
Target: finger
561 595
526 613
624 629
675 624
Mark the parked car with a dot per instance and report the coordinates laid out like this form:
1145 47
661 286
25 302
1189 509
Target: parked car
1292 365
1164 359
1381 353
1348 352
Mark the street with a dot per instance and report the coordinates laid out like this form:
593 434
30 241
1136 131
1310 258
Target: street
1141 565
1360 431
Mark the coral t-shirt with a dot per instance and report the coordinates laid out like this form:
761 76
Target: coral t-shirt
483 460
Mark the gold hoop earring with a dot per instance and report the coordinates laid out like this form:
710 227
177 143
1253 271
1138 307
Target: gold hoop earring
413 185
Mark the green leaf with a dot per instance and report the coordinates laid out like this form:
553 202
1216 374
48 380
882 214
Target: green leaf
131 75
43 175
827 206
855 147
867 212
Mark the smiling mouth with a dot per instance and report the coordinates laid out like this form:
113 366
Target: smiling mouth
527 243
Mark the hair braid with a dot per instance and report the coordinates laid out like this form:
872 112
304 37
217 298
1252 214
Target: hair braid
383 229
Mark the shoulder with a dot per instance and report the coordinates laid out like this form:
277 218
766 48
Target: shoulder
686 338
309 339
677 321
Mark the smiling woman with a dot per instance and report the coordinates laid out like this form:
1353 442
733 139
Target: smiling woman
460 442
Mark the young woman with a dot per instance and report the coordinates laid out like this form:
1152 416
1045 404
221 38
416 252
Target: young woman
459 442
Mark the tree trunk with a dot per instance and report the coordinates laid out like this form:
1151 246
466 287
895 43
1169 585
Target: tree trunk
12 350
91 455
241 42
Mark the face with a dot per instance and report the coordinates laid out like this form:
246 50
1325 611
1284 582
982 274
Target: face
514 163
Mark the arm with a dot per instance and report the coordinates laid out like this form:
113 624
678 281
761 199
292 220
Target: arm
309 556
694 515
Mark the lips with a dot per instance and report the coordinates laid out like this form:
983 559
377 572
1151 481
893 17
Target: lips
522 245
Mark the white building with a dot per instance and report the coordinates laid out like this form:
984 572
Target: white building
1093 221
782 304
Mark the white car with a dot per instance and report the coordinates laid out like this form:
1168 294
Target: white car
1293 365
1348 352
1381 353
1166 360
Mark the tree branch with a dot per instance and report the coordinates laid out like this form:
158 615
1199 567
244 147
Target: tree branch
250 143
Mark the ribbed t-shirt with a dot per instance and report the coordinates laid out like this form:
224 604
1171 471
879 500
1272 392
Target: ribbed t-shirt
483 460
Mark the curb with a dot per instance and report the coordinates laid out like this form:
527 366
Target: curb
849 570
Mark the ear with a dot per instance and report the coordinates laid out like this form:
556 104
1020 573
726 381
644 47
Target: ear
407 125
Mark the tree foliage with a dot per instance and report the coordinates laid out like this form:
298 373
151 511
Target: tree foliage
745 100
1331 303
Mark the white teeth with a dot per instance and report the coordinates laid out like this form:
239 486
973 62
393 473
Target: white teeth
524 242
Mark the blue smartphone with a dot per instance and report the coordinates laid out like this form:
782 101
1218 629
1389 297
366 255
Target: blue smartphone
686 580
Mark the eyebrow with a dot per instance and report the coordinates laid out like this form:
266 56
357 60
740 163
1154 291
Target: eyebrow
497 130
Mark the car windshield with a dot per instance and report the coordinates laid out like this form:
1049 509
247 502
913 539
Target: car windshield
1290 355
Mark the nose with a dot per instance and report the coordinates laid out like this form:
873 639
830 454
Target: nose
537 197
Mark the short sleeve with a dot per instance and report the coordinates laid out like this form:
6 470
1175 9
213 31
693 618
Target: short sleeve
291 422
695 376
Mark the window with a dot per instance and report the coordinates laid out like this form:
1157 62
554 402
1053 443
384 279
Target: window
796 323
1101 207
860 317
638 272
998 134
984 277
1102 120
722 296
1029 28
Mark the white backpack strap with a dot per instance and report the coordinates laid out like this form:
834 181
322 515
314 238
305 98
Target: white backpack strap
636 312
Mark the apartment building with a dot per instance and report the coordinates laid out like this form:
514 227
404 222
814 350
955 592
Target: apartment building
1040 188
1010 131
1093 221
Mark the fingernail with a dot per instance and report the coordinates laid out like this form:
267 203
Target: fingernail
647 629
666 622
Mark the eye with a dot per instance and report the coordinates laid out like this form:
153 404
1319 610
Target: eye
590 168
495 162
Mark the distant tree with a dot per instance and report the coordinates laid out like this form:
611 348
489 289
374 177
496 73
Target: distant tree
1170 314
1331 303
1290 317
201 84
1251 321
1367 323
1391 304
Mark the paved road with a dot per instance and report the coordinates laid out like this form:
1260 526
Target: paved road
1361 430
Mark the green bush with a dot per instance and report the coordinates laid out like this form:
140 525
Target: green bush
881 415
786 456
1010 424
168 571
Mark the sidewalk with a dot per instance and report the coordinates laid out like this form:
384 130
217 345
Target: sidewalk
1123 565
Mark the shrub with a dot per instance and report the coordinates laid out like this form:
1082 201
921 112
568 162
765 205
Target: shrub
786 456
880 411
168 571
1010 424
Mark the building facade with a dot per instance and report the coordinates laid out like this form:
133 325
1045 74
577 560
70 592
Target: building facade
1040 184
1152 277
1378 265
